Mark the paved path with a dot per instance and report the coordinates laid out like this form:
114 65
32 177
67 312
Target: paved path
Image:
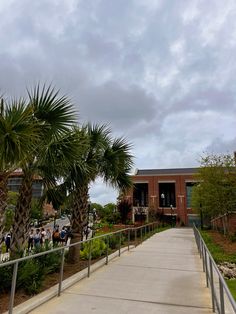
163 275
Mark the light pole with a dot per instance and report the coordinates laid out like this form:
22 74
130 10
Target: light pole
171 211
163 203
87 229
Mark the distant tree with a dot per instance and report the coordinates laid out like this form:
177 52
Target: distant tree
215 192
36 211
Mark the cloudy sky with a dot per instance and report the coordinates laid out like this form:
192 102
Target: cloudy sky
162 73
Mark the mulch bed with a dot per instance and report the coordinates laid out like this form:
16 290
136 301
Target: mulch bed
50 280
227 245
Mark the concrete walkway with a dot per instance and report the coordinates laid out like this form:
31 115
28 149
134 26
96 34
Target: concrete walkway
162 275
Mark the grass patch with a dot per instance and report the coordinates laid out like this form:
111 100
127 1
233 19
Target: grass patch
232 287
216 250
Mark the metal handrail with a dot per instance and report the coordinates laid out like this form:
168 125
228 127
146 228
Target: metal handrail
62 249
208 264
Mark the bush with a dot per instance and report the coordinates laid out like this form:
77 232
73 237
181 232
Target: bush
114 241
50 262
98 249
5 278
30 276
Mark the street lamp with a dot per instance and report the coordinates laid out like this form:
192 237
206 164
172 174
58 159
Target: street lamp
87 229
163 201
171 211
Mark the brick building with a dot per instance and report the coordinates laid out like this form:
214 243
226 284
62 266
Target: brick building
164 191
14 182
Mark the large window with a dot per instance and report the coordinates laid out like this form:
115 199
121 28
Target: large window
37 188
167 195
140 196
189 188
14 184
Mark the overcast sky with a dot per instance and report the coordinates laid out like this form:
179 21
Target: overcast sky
162 73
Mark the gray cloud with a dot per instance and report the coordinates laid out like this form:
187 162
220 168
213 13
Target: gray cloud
161 73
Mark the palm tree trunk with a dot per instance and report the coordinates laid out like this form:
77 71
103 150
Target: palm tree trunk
79 220
3 200
22 215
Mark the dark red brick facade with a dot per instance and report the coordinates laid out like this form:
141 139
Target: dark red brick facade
178 178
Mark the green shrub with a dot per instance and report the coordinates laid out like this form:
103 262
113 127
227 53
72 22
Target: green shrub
30 276
98 248
50 262
5 278
114 241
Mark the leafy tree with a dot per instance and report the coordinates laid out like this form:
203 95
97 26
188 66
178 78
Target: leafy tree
36 211
215 192
18 136
103 157
54 116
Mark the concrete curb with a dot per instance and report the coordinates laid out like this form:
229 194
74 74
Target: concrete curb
52 292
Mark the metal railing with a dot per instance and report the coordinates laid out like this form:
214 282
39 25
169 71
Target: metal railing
217 284
138 234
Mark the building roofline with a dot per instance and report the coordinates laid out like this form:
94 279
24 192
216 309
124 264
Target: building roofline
161 172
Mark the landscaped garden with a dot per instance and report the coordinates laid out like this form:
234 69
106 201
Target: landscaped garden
223 250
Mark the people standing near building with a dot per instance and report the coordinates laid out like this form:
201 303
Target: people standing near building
42 236
48 237
8 242
37 239
31 240
63 235
56 236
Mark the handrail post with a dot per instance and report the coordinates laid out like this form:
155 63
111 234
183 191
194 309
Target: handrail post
61 271
119 242
135 237
128 238
206 267
222 303
141 234
13 288
212 286
89 257
107 240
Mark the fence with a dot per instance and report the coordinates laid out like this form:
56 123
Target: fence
214 279
138 234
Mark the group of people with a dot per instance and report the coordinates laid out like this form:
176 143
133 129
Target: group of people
42 237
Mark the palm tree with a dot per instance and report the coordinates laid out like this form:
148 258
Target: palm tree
105 157
55 116
18 135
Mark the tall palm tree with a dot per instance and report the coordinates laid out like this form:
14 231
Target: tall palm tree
105 157
18 135
55 116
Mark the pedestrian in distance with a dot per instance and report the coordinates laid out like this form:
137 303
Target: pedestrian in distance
56 236
31 240
63 236
42 236
37 239
8 242
48 237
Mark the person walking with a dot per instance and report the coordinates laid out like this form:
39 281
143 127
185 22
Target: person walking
8 242
42 236
48 237
37 239
56 236
31 240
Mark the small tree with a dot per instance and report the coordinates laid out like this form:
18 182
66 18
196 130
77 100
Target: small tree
215 194
124 207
